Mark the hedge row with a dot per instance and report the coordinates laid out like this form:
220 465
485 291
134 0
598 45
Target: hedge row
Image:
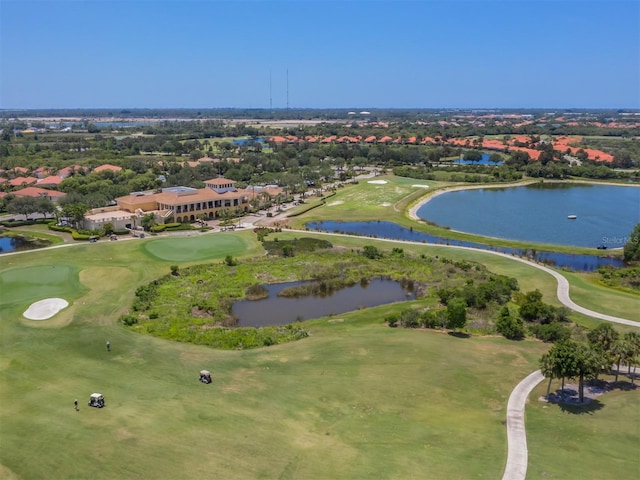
175 226
23 223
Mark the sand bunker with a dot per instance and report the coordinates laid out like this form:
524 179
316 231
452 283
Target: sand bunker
337 202
377 182
420 186
45 309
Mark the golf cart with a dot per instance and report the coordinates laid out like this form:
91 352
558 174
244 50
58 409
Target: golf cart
96 400
205 376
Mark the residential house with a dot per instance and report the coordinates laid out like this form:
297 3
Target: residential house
37 192
107 166
51 181
20 181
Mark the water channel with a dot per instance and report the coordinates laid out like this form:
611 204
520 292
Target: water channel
393 231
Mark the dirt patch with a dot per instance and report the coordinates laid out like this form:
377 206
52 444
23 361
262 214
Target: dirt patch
200 313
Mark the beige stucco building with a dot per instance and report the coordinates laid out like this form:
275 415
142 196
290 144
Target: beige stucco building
181 204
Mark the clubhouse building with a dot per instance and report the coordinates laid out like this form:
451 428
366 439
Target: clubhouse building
179 204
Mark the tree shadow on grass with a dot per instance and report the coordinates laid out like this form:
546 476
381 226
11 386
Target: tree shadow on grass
589 406
459 334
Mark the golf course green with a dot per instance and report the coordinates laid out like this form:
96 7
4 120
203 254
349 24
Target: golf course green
354 400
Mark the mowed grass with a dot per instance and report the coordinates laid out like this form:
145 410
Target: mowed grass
367 201
567 443
356 399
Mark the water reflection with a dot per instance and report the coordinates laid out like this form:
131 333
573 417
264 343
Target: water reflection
275 310
393 231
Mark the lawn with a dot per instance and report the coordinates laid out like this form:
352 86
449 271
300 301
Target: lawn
356 399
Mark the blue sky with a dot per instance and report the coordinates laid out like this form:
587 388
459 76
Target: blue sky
349 53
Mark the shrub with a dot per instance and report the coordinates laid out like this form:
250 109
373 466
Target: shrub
509 325
128 320
80 236
230 261
551 332
434 318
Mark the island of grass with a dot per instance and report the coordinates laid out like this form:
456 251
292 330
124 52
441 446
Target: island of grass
194 304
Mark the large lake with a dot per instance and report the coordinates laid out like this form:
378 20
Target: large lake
606 214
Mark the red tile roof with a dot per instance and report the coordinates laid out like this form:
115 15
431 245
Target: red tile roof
38 192
107 166
52 180
18 181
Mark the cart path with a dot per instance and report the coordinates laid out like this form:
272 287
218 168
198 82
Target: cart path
517 456
562 291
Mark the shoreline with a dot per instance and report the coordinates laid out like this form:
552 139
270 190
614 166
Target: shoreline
413 210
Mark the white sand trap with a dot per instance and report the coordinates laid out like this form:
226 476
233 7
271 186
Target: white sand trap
377 182
385 204
337 202
45 309
420 186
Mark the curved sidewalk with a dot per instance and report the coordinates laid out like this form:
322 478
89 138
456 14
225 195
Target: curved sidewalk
517 456
562 291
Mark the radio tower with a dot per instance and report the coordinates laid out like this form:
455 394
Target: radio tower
270 97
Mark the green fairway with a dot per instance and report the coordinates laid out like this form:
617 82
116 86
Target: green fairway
29 284
196 248
355 400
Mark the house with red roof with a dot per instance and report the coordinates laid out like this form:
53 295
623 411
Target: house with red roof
19 170
41 172
67 171
370 139
20 181
533 154
385 139
107 167
37 192
51 181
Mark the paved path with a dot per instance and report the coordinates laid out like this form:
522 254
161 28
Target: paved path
516 468
563 284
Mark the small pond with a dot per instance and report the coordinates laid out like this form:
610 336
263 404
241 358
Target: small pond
16 244
275 310
483 161
584 263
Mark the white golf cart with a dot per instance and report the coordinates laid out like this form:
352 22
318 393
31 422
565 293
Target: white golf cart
205 376
96 400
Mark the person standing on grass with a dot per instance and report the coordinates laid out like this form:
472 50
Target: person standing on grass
108 346
75 404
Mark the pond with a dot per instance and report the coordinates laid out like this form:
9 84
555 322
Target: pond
15 244
275 310
584 263
605 215
483 161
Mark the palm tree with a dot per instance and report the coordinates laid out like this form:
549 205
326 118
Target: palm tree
633 352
